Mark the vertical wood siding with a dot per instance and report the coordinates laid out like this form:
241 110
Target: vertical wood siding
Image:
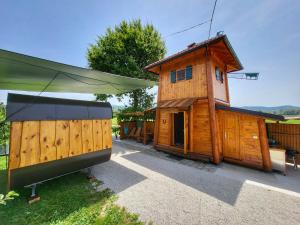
288 135
240 137
34 142
201 129
164 133
195 87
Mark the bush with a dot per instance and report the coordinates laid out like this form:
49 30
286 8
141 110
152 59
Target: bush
4 126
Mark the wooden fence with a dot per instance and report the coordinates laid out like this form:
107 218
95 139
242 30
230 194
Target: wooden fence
288 135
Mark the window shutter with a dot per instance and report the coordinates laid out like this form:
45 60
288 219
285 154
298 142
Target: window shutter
173 76
188 73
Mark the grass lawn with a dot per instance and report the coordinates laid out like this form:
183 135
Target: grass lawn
285 122
68 200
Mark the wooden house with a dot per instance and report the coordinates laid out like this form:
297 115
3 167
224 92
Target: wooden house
194 118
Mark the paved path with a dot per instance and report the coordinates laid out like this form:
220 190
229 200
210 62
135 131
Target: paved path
166 190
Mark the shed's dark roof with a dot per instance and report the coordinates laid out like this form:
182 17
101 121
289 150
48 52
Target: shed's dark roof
250 112
27 107
197 46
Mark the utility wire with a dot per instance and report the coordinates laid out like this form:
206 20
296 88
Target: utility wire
212 18
189 28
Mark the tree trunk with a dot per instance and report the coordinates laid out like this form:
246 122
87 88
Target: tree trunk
135 99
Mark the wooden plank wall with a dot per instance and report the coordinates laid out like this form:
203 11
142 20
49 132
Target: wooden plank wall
196 87
220 88
242 139
164 134
201 130
288 135
34 142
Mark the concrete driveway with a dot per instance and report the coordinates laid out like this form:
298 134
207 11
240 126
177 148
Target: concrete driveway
168 190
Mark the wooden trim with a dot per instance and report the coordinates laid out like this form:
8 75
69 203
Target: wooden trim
191 133
156 126
221 102
179 152
267 164
227 87
212 110
186 131
243 163
171 128
202 100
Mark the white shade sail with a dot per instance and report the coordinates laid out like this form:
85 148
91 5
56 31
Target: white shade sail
27 73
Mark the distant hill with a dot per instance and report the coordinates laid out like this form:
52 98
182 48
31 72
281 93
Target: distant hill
280 110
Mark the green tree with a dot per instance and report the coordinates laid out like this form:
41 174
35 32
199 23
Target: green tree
4 127
126 50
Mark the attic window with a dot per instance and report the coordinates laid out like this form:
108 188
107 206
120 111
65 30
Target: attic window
219 74
180 75
183 74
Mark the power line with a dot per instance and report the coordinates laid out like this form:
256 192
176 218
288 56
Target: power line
212 18
189 28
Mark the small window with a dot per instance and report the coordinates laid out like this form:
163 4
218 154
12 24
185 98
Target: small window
219 74
188 73
173 76
180 75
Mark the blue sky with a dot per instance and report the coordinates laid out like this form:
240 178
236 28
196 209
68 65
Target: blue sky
264 34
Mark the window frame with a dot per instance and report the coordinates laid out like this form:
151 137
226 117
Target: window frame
220 76
181 77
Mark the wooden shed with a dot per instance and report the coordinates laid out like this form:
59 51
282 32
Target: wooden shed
50 137
194 118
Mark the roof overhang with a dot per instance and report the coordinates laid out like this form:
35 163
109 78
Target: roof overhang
178 103
31 108
27 73
219 46
250 112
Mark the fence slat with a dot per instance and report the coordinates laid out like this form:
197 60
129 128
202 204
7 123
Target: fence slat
287 135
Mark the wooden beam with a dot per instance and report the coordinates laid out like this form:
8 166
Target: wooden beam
157 113
267 164
212 110
226 85
191 127
186 131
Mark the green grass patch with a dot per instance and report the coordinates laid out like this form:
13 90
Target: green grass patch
69 200
114 121
285 122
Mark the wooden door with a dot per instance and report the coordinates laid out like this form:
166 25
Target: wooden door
231 136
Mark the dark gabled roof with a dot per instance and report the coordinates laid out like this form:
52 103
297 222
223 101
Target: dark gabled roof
198 46
27 108
250 112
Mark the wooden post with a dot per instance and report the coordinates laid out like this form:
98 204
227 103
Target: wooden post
227 87
212 109
145 132
157 114
186 131
191 127
267 164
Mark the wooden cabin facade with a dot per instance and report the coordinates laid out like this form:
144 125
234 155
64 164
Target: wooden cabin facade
194 118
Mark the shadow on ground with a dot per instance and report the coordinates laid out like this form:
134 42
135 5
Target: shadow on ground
224 189
119 177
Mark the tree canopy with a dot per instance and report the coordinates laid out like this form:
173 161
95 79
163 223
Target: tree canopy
125 50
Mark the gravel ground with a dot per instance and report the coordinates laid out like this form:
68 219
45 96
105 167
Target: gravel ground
166 190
